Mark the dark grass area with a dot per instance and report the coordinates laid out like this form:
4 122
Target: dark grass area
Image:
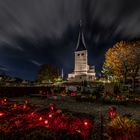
92 110
39 133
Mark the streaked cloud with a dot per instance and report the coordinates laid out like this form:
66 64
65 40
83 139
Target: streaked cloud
33 32
3 69
35 62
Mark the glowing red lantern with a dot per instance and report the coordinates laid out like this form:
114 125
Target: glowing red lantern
112 113
52 107
86 123
73 94
24 106
15 105
46 121
40 118
50 115
1 114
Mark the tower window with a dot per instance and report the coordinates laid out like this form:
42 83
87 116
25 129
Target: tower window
82 54
78 54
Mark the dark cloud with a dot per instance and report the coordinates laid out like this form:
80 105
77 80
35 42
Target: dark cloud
34 32
3 69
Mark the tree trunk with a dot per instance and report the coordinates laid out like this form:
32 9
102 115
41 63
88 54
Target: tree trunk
134 75
124 78
133 84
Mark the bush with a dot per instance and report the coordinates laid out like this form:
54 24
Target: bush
123 128
108 99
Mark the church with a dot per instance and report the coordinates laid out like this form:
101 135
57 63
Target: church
82 71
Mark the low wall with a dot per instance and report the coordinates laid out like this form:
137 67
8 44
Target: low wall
21 91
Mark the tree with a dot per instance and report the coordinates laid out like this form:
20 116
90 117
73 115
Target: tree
134 62
115 61
47 73
122 61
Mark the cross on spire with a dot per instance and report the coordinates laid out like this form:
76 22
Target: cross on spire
81 41
80 23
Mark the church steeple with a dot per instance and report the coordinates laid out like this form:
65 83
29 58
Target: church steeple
81 41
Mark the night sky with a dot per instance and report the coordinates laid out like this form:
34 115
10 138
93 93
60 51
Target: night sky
35 32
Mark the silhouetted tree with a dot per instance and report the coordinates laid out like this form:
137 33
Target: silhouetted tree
47 73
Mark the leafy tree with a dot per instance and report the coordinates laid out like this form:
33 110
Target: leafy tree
122 61
134 62
115 62
47 73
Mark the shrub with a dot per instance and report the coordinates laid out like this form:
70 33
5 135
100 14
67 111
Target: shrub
123 128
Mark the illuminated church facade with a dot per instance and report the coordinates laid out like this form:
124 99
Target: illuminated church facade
82 71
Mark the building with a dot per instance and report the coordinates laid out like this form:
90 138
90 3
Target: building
82 71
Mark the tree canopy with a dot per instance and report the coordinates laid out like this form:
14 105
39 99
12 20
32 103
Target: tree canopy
122 61
47 73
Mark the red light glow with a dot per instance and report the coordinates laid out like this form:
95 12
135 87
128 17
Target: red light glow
30 118
112 113
85 123
32 114
2 102
24 106
15 105
50 115
46 122
52 106
40 118
1 114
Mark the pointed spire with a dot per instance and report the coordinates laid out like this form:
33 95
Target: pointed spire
80 23
81 41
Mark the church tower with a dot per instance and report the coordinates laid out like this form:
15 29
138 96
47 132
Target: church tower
81 54
82 71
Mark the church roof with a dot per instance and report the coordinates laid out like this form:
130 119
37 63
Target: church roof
81 41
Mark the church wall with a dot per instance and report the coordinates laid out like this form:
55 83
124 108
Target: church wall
81 61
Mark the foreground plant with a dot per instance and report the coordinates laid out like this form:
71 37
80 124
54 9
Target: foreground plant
123 128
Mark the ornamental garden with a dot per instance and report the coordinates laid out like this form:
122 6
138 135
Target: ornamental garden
65 114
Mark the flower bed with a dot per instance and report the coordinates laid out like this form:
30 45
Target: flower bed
114 100
86 98
18 118
122 100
